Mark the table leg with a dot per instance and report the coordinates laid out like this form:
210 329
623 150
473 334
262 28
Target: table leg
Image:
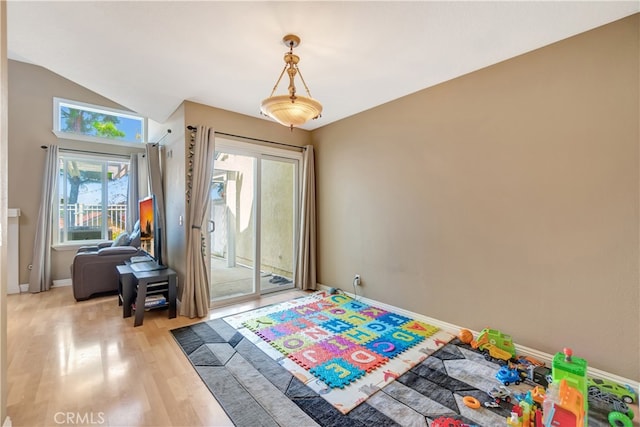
127 294
172 296
140 299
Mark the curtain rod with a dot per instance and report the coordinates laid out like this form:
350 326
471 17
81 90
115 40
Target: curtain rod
73 150
252 139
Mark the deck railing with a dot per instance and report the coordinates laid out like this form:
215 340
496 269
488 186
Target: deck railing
85 220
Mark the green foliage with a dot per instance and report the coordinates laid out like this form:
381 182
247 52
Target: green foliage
90 123
108 130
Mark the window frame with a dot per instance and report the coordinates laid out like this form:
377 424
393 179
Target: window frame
62 102
65 155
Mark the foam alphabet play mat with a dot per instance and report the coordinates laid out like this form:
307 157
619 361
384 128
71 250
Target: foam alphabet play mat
342 348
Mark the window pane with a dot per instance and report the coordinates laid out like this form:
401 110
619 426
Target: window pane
93 121
92 198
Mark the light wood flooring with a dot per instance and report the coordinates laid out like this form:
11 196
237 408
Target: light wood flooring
83 364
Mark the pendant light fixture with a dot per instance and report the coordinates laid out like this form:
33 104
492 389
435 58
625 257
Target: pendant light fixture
291 110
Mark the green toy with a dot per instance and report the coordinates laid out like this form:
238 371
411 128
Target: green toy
574 371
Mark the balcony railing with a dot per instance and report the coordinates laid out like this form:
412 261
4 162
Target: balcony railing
84 221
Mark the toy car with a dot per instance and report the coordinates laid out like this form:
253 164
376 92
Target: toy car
491 404
500 393
607 402
507 375
490 352
528 360
625 393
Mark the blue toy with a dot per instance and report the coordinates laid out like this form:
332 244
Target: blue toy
507 376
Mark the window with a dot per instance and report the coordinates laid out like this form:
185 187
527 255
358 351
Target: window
92 197
76 120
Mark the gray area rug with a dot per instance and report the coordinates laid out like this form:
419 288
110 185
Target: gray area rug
255 390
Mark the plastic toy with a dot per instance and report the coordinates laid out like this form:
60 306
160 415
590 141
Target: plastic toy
563 406
496 338
574 370
491 351
608 402
447 422
471 402
500 393
538 394
618 419
491 404
508 376
528 360
625 392
540 375
465 336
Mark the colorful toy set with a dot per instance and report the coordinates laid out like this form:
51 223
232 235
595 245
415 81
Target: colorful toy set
561 395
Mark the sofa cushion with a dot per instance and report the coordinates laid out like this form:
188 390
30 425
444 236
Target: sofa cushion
134 239
122 240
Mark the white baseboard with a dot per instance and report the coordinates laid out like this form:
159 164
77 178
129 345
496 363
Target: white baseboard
522 350
62 282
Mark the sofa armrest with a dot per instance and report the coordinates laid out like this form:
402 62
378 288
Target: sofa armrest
118 250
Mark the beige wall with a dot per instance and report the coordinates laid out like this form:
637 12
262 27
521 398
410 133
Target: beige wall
31 93
505 198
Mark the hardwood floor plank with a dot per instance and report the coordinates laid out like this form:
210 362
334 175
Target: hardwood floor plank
83 360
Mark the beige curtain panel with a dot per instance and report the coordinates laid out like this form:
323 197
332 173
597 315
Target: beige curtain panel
306 259
40 276
154 170
195 295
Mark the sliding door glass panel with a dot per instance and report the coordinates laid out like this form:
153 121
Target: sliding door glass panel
232 209
277 223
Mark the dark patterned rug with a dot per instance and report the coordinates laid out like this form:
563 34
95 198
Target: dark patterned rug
255 390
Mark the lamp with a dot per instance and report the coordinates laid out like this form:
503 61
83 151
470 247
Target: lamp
291 110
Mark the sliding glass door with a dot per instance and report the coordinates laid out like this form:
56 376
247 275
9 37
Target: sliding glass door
253 212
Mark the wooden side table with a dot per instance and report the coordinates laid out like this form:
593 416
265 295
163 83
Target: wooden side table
139 284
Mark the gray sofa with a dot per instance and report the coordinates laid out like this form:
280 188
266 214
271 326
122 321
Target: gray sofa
94 267
94 272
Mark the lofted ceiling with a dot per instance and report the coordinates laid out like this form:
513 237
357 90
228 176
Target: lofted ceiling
149 56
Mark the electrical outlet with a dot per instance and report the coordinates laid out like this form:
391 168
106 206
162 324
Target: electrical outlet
356 280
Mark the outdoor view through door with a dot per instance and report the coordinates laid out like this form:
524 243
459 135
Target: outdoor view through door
254 211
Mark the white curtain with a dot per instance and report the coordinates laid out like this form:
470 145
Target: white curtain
195 295
133 194
155 187
40 276
306 259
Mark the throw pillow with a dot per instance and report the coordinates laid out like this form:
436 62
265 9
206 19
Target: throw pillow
121 240
134 239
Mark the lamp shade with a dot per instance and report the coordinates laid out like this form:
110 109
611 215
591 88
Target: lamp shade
291 113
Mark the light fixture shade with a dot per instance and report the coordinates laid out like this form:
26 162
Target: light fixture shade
291 113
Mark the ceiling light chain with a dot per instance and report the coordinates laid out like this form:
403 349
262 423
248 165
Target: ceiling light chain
291 110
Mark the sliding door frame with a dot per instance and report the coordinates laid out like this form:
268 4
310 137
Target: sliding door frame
259 152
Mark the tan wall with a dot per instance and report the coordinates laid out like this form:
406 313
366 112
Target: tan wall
507 198
239 124
31 93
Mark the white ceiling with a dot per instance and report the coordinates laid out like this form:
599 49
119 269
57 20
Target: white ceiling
150 56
